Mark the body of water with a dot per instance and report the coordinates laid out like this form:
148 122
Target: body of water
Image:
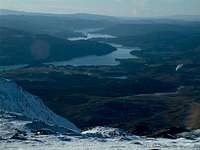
10 67
91 36
92 60
109 59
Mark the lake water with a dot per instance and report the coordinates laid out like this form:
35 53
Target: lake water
109 59
91 36
10 67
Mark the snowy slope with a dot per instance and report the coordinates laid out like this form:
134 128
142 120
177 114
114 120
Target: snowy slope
14 99
13 136
21 112
99 138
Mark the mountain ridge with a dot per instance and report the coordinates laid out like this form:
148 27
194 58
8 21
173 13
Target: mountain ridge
93 16
14 99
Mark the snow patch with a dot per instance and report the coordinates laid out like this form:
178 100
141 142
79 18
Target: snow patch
14 99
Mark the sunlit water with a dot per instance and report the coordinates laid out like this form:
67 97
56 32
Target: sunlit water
92 60
109 59
91 36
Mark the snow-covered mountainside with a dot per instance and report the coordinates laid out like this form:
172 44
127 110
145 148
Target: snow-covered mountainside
16 100
27 124
14 135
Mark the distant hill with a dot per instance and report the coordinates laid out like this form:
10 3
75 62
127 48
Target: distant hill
66 25
135 28
61 25
186 17
75 15
10 12
83 16
19 47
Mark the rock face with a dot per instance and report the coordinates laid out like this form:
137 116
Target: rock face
14 99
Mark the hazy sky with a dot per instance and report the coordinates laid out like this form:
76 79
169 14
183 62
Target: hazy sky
108 7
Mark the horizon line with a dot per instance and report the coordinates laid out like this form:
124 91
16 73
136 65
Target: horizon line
97 14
